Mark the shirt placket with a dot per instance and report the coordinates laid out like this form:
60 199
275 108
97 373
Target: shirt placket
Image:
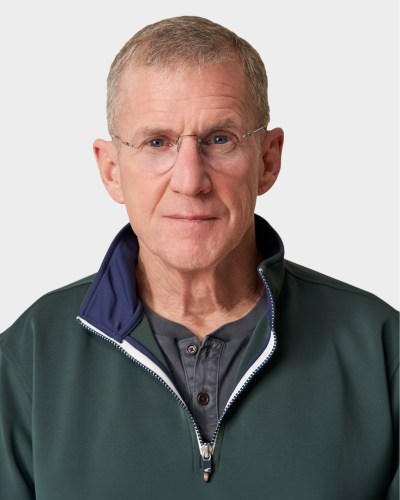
202 364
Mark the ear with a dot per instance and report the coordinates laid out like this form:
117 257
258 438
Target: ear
271 159
107 160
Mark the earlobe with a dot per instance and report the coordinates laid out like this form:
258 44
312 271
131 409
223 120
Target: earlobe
272 153
108 163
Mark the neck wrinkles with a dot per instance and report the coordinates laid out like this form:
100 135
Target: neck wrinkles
201 300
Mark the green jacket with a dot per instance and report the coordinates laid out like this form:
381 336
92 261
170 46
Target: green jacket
88 410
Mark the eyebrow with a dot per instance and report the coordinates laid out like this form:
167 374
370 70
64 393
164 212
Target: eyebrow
153 131
225 124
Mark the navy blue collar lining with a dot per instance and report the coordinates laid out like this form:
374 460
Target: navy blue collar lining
112 304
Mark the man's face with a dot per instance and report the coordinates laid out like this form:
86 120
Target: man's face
190 216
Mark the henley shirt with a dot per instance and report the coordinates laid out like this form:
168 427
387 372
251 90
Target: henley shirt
204 373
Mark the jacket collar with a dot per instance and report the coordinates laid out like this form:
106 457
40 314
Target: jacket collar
112 304
271 248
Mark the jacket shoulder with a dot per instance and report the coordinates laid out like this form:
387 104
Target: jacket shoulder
75 286
50 323
348 310
335 286
58 302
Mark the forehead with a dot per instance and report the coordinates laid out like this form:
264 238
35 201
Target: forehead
187 97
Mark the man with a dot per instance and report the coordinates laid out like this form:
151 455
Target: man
197 363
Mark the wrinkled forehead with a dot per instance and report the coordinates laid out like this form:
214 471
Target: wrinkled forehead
185 84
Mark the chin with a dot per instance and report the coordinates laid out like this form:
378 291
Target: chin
192 259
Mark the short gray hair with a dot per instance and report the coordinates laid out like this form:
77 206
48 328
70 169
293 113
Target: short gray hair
184 41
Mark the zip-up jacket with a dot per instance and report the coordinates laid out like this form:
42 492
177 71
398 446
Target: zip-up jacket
89 409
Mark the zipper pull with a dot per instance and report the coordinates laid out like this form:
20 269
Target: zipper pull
206 454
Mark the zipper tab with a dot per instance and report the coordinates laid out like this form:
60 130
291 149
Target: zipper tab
206 454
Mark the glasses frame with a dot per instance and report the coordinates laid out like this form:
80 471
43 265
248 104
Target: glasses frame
178 142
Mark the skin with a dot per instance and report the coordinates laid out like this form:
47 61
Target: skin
198 256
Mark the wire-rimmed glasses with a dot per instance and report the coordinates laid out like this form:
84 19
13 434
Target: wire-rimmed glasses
157 151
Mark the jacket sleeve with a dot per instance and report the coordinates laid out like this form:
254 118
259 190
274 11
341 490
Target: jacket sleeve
16 471
393 491
391 348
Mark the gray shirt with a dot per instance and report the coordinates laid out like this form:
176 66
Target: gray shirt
204 373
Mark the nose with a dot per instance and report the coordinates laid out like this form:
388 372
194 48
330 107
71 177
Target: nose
180 139
189 174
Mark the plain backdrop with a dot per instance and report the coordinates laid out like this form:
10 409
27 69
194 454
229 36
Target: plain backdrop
333 74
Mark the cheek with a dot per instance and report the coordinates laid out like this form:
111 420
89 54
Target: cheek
244 189
140 194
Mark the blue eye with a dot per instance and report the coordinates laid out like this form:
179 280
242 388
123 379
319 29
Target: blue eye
219 139
156 143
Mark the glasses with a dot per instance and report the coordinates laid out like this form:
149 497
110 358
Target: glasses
157 151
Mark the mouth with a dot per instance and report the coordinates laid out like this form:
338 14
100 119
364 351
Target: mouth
192 217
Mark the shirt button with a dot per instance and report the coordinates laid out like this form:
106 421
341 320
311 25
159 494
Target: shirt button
203 398
191 349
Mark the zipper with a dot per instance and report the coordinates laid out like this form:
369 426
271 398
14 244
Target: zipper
206 449
206 463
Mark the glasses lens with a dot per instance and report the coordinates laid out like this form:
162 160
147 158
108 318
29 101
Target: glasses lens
158 153
155 153
219 146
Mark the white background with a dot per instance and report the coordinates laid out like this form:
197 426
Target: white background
333 89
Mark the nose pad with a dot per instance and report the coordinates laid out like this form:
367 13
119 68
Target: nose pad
179 145
179 141
189 175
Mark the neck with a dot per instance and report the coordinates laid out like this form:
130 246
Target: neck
202 300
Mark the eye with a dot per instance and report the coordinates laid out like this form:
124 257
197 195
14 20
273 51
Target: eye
157 143
219 139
